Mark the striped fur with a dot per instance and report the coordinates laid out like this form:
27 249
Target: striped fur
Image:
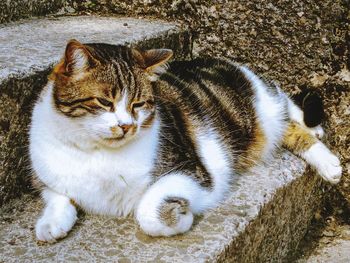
113 133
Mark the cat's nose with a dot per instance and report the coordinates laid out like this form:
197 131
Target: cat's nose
125 127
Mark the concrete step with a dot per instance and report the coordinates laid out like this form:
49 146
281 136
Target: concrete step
262 221
329 245
27 51
12 10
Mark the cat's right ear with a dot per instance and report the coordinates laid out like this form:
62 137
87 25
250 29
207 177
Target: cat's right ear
153 61
77 59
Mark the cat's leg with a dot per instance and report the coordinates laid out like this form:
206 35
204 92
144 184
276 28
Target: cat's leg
167 207
296 114
300 141
58 217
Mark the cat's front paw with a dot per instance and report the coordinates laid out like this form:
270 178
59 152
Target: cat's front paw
50 228
325 162
173 217
330 168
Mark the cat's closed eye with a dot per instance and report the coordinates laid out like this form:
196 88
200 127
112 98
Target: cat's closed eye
105 102
137 105
142 104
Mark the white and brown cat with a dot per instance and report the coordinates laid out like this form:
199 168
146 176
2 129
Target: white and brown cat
116 132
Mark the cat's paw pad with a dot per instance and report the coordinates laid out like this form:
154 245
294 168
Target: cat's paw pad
173 217
330 168
317 131
173 210
50 228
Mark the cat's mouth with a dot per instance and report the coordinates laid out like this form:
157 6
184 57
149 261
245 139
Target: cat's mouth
113 139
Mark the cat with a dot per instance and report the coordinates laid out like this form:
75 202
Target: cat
119 131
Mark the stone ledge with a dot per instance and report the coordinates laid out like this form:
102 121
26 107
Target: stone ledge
262 221
31 45
28 50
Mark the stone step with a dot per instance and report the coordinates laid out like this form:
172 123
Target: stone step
12 10
261 221
27 51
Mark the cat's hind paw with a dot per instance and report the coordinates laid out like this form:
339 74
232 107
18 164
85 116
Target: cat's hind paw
51 228
173 217
325 162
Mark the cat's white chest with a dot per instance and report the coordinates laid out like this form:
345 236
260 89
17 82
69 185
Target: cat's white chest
107 182
101 182
110 183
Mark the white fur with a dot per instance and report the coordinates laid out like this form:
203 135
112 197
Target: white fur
121 110
295 113
213 155
270 109
317 131
326 163
58 218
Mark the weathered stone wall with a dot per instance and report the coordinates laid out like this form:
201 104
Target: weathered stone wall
11 10
16 102
304 43
274 238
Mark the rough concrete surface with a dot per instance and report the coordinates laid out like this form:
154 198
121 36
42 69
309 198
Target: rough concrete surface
42 41
337 252
25 62
244 228
332 247
303 43
11 10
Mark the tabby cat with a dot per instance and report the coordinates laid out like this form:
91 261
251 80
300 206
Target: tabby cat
118 131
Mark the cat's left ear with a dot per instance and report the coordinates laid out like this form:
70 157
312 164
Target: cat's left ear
153 61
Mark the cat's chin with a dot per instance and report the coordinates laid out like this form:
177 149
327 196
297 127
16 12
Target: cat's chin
115 142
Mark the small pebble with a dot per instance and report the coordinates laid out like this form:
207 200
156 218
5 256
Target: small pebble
12 242
328 233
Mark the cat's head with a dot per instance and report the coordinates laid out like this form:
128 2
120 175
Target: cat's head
105 91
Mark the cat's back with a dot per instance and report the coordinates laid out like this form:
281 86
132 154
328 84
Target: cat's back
247 114
214 87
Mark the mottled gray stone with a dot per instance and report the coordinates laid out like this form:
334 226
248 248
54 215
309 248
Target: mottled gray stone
32 45
332 247
261 221
11 10
27 51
